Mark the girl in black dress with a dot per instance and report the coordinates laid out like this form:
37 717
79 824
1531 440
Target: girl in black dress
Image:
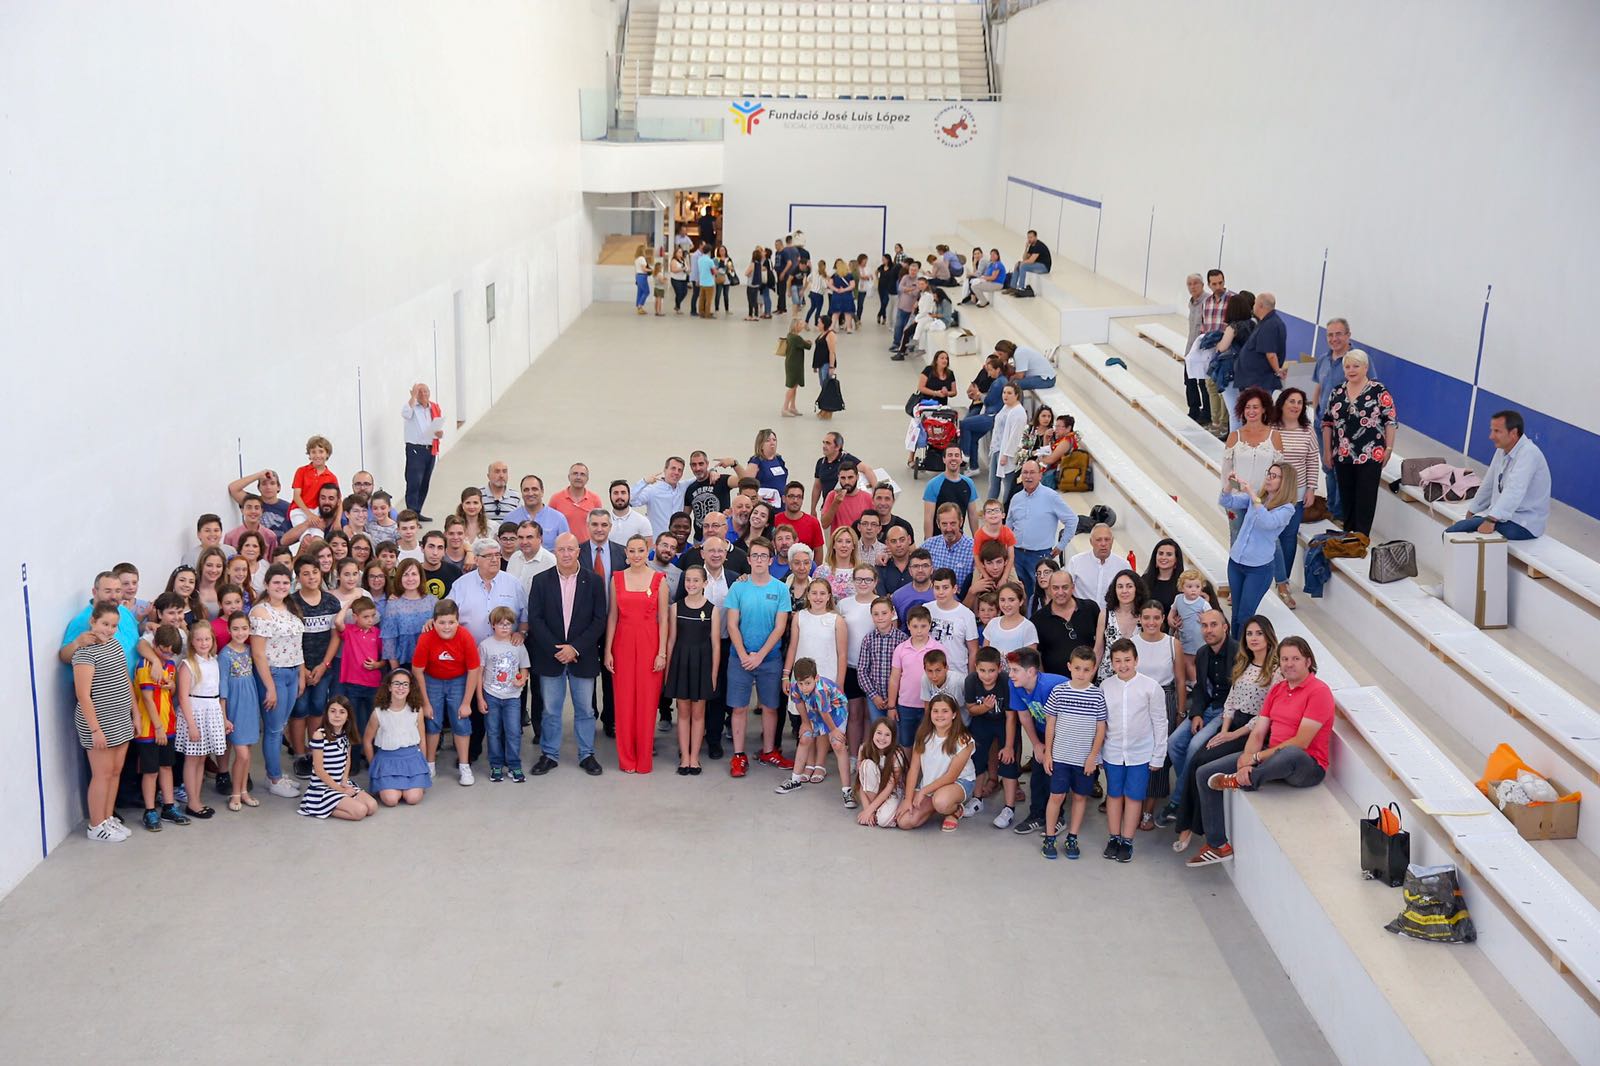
692 653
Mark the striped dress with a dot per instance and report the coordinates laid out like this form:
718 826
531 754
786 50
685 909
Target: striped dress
320 800
111 692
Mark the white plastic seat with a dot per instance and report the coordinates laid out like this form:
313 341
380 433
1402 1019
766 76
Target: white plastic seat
913 28
897 77
658 86
787 41
692 87
916 92
771 23
664 22
702 7
950 45
947 13
719 7
897 60
752 72
913 44
735 40
861 77
824 25
877 43
823 59
896 28
716 56
717 38
736 7
663 53
861 59
915 77
791 10
788 25
825 10
914 60
701 23
697 70
736 22
732 72
679 70
877 11
697 55
808 11
808 41
769 88
719 23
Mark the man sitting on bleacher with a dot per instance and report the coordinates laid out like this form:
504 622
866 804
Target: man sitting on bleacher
1515 498
1035 260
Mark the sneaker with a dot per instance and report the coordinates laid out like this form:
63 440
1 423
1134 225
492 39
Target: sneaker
1072 846
152 820
1125 851
665 726
1003 819
971 807
1210 856
518 776
170 813
225 784
283 787
496 774
850 803
739 765
1028 825
105 833
1222 782
465 772
180 795
118 827
1048 848
1113 846
794 784
1167 815
433 771
302 767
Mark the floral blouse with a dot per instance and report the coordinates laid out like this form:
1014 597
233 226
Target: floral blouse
1359 423
1036 442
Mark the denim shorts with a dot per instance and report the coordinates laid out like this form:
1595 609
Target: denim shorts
1127 782
763 680
446 697
967 784
1068 777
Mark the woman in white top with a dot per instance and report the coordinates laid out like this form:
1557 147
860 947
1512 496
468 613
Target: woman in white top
1136 744
856 610
941 776
641 277
1161 660
1251 448
1293 426
1011 629
819 634
1005 441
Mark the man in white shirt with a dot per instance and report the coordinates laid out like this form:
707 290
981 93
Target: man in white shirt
1092 571
625 521
531 556
1515 498
498 499
424 425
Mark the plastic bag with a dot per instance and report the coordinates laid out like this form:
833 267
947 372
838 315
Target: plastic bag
1434 909
1506 779
1537 788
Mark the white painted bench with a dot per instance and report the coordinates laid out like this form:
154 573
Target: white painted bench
1566 923
1524 692
1166 338
1163 413
1118 378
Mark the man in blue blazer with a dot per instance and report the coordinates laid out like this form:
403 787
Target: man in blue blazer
566 631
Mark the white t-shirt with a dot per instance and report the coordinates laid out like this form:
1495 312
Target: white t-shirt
1009 640
815 638
1091 578
410 553
640 266
952 629
629 524
1155 658
935 762
858 620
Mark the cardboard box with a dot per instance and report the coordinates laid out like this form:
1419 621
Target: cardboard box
1543 821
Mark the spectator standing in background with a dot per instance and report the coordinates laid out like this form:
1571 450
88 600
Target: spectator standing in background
1194 390
1326 376
424 425
1264 363
1358 433
1213 315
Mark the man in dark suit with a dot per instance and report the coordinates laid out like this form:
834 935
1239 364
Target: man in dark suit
602 558
566 629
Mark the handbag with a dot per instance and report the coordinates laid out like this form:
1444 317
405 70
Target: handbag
1411 470
1391 561
916 401
1318 511
1385 847
1345 546
783 347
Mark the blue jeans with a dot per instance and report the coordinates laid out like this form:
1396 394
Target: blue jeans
1019 275
1183 744
286 682
900 320
641 287
1288 541
1230 397
906 729
766 300
315 697
446 698
1027 562
1508 530
1291 765
555 690
813 306
1335 501
1247 585
973 429
1000 484
1034 383
504 726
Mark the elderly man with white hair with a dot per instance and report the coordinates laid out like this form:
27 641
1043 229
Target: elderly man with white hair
1092 571
476 593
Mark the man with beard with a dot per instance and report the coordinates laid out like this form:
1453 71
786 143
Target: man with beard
320 524
709 491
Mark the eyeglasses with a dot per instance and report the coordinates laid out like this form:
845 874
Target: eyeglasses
864 579
762 556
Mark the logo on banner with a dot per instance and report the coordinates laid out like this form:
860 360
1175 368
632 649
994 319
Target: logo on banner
955 126
746 113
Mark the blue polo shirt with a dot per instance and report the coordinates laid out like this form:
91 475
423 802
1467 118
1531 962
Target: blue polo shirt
127 633
1252 369
759 607
1032 702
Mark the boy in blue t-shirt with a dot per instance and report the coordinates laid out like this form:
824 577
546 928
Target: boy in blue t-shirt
755 609
1073 737
1025 708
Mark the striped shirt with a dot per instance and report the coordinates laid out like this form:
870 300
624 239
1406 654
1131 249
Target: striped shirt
1077 711
958 556
876 661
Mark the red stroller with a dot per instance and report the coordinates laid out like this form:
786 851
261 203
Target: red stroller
940 428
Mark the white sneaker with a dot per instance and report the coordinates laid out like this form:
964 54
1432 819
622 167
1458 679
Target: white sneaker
433 771
1003 819
466 773
105 833
119 827
283 787
971 807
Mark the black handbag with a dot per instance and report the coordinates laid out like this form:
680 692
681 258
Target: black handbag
1385 854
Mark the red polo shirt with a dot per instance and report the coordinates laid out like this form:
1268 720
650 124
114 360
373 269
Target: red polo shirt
1286 706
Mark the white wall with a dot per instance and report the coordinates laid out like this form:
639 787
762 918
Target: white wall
926 185
215 215
1432 148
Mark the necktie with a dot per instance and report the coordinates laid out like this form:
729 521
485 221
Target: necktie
599 566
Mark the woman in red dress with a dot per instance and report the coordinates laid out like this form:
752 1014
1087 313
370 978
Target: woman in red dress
636 654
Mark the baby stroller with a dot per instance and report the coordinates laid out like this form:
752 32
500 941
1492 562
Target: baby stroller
936 427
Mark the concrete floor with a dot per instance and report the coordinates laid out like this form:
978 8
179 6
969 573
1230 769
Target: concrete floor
637 919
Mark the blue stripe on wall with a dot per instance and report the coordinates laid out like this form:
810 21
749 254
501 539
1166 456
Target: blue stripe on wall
1436 404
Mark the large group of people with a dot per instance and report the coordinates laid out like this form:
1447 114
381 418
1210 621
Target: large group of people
929 667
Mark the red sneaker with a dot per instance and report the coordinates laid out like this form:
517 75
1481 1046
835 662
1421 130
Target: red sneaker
1209 856
1222 782
771 758
739 765
782 763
